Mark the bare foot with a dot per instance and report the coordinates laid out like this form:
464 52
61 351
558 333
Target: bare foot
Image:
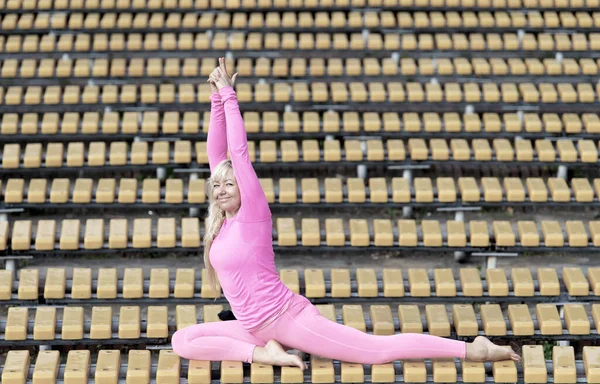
274 354
296 352
481 349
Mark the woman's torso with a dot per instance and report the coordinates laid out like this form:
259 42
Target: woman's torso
242 255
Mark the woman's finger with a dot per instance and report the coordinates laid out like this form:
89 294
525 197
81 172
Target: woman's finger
225 66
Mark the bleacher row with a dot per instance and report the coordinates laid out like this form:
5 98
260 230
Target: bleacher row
379 190
164 153
252 5
152 322
102 108
300 123
180 234
167 368
316 92
253 41
296 67
282 67
69 286
356 19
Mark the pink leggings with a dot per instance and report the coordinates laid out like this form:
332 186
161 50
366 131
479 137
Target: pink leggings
302 327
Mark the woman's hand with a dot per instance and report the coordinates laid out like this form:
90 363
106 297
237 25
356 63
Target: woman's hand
213 86
214 76
221 77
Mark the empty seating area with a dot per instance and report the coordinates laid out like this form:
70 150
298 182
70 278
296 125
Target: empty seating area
170 233
114 125
306 192
304 20
341 285
15 5
189 68
119 155
316 92
385 43
167 367
431 167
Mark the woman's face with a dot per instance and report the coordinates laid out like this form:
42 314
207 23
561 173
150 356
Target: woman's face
226 193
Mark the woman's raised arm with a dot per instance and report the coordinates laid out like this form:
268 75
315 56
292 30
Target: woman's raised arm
216 140
254 206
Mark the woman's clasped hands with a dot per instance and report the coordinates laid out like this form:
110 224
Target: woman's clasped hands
220 78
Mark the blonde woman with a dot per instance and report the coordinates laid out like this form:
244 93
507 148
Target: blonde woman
238 247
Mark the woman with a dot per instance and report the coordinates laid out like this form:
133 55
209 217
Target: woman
238 246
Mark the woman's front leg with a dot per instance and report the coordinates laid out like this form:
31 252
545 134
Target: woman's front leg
223 340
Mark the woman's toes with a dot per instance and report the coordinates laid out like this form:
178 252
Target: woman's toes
500 352
278 356
298 362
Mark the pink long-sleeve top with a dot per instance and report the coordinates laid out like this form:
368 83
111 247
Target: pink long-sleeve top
242 252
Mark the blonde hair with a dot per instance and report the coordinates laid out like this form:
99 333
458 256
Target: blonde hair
214 220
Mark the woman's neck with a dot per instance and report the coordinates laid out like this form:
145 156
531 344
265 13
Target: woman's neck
230 215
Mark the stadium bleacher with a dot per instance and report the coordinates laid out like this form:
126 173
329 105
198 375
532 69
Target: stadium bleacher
451 129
